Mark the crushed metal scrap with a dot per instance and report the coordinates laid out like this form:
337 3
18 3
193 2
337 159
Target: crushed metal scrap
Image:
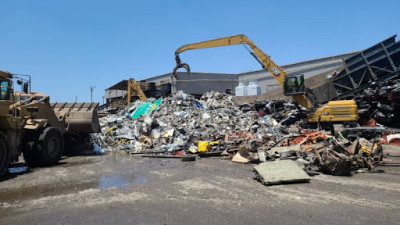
381 101
215 125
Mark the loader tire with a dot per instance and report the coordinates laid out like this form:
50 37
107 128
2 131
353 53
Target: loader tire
31 156
4 153
47 149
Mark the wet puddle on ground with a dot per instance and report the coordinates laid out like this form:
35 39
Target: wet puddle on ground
140 180
113 181
119 181
104 175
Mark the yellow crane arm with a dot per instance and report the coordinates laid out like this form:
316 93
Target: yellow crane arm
278 73
133 85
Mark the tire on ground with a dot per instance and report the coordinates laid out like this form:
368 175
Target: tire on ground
29 151
4 153
46 150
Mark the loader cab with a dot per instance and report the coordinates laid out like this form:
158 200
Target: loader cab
294 85
5 89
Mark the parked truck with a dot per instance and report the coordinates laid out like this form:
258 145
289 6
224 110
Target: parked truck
31 125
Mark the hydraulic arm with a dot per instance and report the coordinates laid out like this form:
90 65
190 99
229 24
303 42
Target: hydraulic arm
265 60
293 85
134 86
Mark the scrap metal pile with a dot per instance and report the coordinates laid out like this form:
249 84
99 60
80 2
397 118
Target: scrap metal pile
180 125
381 102
180 122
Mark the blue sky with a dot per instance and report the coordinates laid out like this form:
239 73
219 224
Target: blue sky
67 46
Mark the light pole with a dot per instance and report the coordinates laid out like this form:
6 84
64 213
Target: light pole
91 92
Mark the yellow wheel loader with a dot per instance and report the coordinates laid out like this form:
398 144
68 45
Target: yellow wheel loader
30 125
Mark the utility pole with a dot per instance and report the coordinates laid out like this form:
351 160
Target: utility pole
103 99
91 92
76 99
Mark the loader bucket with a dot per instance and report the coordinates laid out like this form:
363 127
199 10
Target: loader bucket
79 117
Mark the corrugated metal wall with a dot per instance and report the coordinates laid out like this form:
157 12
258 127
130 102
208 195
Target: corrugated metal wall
200 83
307 68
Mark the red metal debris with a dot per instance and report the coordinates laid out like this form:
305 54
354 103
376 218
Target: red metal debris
371 123
306 138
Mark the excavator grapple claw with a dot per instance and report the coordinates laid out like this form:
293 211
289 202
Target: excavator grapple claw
181 65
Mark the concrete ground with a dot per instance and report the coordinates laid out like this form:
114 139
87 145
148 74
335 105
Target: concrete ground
134 190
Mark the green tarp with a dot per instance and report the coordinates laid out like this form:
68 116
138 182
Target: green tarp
145 108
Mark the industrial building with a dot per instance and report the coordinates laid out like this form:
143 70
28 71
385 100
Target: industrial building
198 83
308 68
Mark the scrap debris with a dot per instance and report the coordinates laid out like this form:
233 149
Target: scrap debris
180 126
382 102
213 123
